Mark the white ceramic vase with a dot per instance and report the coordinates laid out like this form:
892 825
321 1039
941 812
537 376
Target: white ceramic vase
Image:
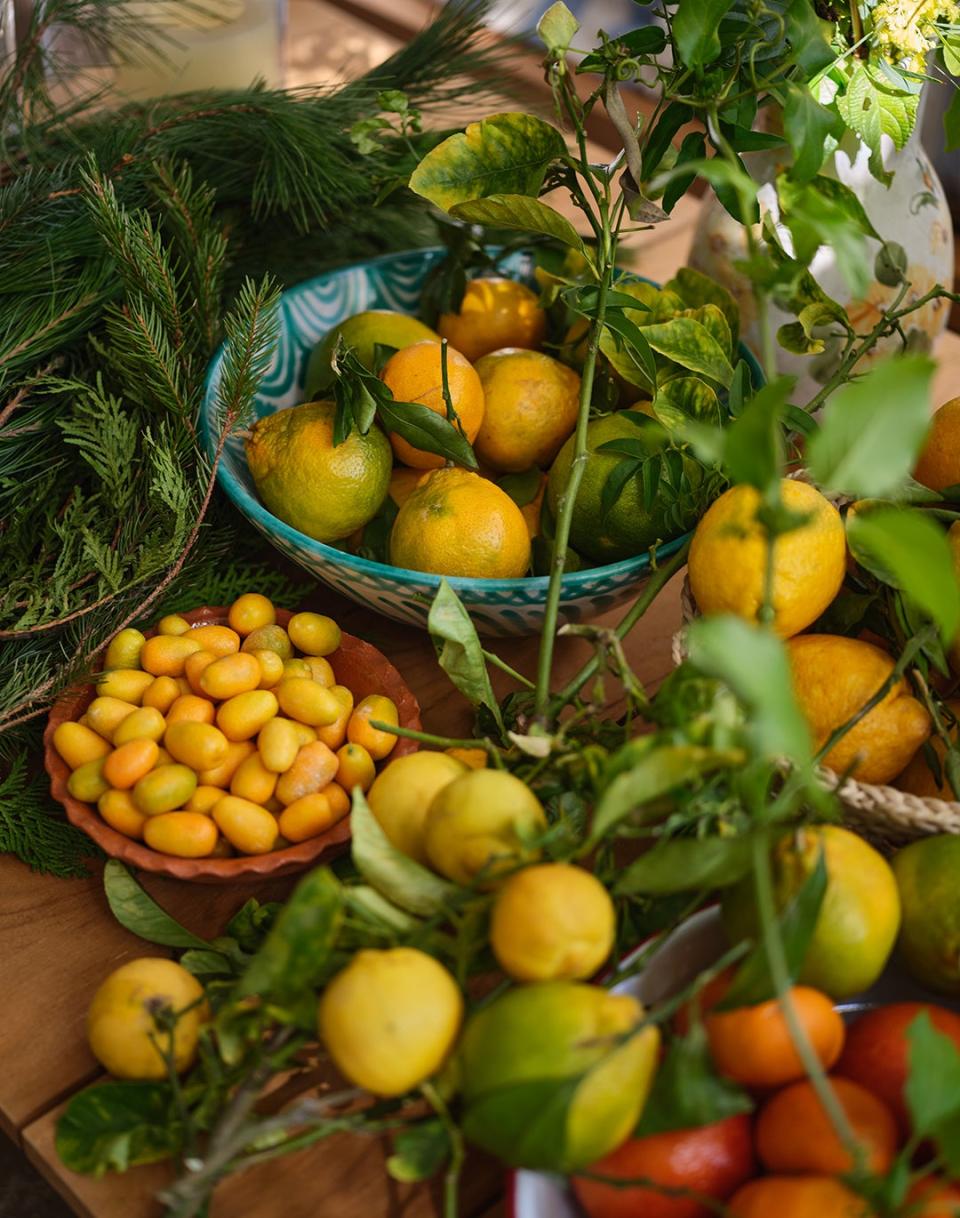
913 211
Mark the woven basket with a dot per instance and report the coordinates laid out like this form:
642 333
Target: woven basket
884 814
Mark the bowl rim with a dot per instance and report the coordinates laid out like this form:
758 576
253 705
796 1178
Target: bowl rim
573 583
209 869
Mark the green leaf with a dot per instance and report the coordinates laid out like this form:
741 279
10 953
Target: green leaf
614 483
656 143
753 662
687 864
804 32
872 111
807 125
459 652
913 552
872 430
400 879
424 428
817 214
655 773
696 31
296 953
690 345
419 1151
802 337
753 982
687 1092
374 907
504 154
140 913
693 148
646 40
951 123
697 289
932 1089
524 1124
687 397
251 923
117 1125
715 323
753 450
522 488
207 963
524 214
557 27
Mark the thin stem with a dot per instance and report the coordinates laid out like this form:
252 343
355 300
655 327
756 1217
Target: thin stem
492 658
443 742
451 1179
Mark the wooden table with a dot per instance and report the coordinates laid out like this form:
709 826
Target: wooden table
60 940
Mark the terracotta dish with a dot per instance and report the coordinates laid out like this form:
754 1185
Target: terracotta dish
355 663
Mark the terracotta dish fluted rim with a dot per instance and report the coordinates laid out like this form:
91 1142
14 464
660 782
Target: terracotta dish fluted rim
356 664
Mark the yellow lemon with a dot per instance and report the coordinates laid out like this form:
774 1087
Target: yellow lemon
531 406
402 793
494 313
728 557
390 1019
415 374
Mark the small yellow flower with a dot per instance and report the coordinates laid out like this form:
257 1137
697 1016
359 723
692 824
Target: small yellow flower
904 29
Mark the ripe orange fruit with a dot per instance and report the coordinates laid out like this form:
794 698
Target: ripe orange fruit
713 1161
494 313
753 1046
531 406
819 1151
933 1198
939 463
415 375
875 1053
797 1197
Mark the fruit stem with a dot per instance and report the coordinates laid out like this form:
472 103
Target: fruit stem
451 1179
443 742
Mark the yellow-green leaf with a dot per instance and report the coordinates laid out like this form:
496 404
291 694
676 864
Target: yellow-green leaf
523 213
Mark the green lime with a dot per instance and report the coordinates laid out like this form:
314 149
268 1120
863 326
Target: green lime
363 332
323 490
929 945
630 526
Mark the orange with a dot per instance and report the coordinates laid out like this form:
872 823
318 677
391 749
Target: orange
531 407
415 375
819 1151
939 463
457 523
797 1197
712 1161
753 1045
933 1198
875 1053
494 313
833 677
918 778
403 482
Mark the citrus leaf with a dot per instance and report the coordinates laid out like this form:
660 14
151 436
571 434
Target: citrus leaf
524 1124
696 289
504 154
646 40
139 913
458 650
688 397
696 31
522 488
753 450
425 429
523 213
614 483
394 875
690 345
932 1089
692 149
419 1151
117 1125
686 864
687 1092
557 27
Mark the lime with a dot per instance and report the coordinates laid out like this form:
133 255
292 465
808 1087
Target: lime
929 945
363 332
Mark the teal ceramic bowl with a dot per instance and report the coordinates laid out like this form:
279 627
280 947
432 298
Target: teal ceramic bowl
499 607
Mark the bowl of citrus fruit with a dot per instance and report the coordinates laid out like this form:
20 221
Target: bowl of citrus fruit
383 520
224 742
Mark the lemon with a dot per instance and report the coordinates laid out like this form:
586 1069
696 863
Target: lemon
401 795
494 313
833 677
929 945
531 406
552 922
390 1019
728 558
323 490
858 921
121 1023
938 466
554 1076
481 824
363 332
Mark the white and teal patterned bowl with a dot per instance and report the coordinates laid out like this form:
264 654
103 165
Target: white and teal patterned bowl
498 606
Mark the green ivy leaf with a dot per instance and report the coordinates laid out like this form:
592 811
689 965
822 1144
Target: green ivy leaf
872 111
504 154
139 913
687 864
419 1151
524 214
872 430
117 1125
696 32
692 346
807 125
459 652
424 428
913 552
557 28
687 1092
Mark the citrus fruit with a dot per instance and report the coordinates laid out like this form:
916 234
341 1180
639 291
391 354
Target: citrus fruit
833 677
457 523
401 795
555 1075
323 490
858 921
797 1197
390 1019
630 527
363 332
531 404
875 1053
933 1198
126 1018
552 922
820 1151
415 375
938 465
483 823
728 557
918 778
403 482
929 945
752 1045
711 1161
953 539
494 313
